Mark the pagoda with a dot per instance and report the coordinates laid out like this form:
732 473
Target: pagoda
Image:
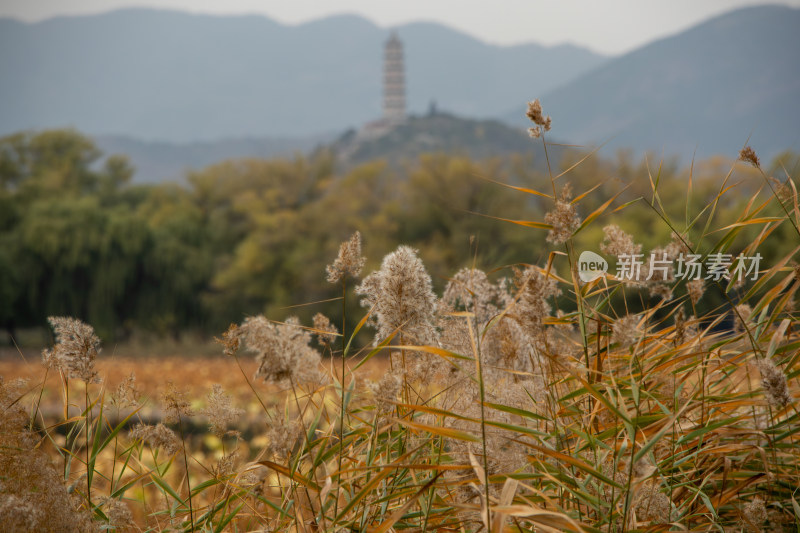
394 81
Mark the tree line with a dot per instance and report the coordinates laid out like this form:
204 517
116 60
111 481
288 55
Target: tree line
250 236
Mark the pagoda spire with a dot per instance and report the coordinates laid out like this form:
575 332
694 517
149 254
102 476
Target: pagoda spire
394 84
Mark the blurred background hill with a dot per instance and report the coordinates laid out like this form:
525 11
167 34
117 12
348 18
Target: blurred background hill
437 132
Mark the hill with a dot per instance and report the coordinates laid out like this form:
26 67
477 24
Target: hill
706 89
437 132
180 77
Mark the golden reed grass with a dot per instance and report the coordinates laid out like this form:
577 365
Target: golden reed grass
523 399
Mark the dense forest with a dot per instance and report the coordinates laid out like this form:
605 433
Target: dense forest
249 236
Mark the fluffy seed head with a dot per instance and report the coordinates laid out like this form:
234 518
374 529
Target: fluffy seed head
219 410
684 328
755 514
325 331
230 340
625 331
695 289
532 308
282 350
175 404
748 155
564 219
126 393
534 113
348 262
119 515
10 391
386 391
470 290
13 418
282 438
18 514
401 297
660 290
226 464
158 436
618 242
774 383
75 350
679 244
653 505
783 190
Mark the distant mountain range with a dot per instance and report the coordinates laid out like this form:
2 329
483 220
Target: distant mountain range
179 77
706 90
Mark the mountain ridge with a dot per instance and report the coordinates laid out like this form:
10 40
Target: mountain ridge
181 77
709 89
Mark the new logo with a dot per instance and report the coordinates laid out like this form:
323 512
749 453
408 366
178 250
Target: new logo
591 266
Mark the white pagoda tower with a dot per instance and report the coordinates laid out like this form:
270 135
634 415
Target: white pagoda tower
394 81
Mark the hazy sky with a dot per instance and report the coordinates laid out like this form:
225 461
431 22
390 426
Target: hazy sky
609 26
